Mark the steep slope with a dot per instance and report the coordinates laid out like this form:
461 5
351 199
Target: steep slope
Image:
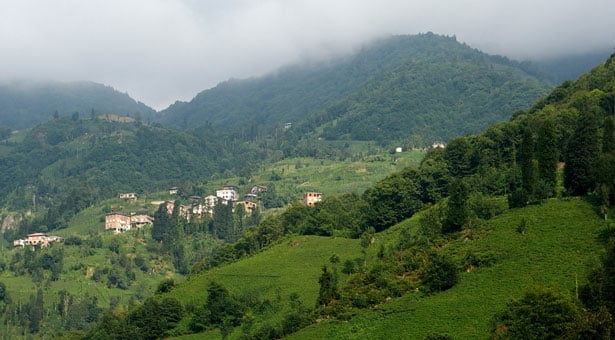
554 252
399 70
570 67
25 104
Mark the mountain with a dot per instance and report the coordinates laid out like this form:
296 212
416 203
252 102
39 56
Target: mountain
432 268
393 88
25 104
570 67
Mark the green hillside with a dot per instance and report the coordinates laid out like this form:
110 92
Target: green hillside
555 251
514 223
398 247
426 86
25 104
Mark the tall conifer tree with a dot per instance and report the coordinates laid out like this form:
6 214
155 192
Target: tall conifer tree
581 155
547 156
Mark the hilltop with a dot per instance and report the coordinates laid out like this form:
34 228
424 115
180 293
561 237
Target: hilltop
427 87
24 104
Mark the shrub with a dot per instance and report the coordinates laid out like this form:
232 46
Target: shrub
486 207
440 273
539 314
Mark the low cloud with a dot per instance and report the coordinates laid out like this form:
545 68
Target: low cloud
160 51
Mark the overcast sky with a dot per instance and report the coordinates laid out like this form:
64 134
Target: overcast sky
159 51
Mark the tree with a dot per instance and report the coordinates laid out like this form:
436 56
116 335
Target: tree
581 155
440 273
457 207
35 310
328 287
4 297
529 173
220 310
393 199
222 223
458 154
600 287
161 223
547 157
608 135
539 314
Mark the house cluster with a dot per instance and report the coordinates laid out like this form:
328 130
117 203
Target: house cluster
199 207
120 222
36 239
202 206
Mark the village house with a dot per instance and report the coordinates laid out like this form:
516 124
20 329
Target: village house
257 189
311 198
173 191
119 222
438 145
129 195
250 197
227 193
206 206
36 239
248 206
170 206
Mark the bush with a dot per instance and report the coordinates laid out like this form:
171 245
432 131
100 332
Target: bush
486 207
349 267
73 241
440 274
539 314
518 199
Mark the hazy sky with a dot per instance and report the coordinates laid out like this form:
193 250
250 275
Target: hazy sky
160 51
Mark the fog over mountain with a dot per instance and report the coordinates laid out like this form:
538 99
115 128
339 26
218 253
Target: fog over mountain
161 51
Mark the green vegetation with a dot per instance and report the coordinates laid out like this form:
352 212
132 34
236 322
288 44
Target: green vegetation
26 104
405 244
499 265
417 89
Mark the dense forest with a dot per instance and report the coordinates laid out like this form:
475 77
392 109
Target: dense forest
419 87
24 104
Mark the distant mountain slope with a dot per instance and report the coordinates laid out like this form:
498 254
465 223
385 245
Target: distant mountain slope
410 77
25 104
572 66
70 163
433 99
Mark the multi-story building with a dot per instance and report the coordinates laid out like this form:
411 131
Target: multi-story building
311 198
227 193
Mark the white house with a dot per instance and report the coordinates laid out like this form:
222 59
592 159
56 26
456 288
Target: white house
228 193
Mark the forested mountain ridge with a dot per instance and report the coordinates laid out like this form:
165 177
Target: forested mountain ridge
408 83
24 104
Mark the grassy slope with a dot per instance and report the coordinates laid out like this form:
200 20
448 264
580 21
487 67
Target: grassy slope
292 266
558 245
299 175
